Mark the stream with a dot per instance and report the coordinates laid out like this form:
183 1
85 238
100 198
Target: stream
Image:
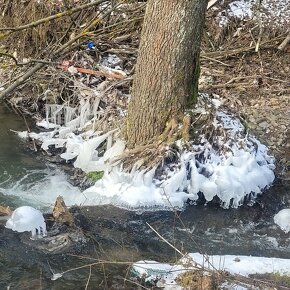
116 236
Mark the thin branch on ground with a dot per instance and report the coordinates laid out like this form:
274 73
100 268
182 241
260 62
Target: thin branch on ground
285 42
88 281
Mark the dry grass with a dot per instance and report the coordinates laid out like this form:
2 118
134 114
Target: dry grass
33 41
42 40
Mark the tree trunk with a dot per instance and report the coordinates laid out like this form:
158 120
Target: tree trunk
167 68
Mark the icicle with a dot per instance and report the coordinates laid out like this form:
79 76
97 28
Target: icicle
74 124
88 150
176 182
84 111
58 143
47 113
69 114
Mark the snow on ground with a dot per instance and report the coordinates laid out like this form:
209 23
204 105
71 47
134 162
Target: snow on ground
233 166
166 274
274 13
282 219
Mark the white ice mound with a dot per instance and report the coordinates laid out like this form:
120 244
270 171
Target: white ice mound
233 167
224 162
26 218
282 219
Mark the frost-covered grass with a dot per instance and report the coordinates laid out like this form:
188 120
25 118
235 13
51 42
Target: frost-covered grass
228 164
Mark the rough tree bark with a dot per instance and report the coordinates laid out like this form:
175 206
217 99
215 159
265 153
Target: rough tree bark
167 68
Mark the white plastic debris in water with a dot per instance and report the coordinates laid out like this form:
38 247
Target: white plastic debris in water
282 219
26 218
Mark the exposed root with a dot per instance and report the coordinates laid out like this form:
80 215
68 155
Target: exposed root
186 129
147 156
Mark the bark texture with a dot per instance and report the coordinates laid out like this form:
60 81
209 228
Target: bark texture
167 69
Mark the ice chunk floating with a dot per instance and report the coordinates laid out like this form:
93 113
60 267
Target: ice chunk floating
282 219
27 218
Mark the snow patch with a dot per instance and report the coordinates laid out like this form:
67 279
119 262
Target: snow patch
166 274
273 13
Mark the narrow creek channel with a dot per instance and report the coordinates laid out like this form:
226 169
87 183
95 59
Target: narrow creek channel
118 235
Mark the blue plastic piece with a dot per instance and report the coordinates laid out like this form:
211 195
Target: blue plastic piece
91 45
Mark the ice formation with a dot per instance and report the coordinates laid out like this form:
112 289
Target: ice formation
26 218
232 167
242 171
282 219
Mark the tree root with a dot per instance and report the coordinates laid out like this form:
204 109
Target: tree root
186 128
153 154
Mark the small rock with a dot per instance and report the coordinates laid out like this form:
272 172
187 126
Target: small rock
264 125
61 213
5 211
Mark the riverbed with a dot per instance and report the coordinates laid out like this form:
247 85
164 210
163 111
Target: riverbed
118 237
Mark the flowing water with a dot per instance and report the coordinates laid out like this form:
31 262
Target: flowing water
116 234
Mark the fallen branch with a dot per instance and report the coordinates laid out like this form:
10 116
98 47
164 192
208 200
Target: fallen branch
21 80
285 42
5 211
164 240
113 75
222 54
232 85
